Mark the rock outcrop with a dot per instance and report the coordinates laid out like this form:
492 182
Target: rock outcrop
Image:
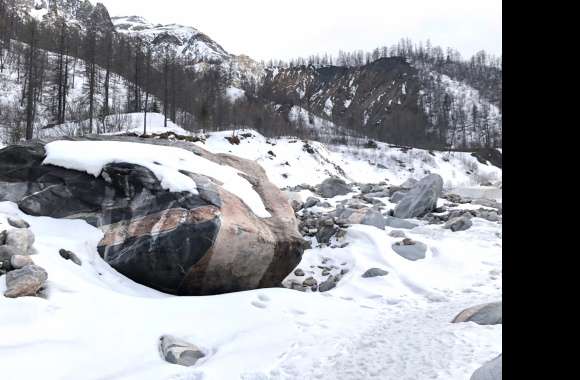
177 242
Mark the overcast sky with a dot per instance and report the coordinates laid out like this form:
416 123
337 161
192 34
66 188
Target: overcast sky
265 29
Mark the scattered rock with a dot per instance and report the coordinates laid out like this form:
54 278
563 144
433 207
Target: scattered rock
454 198
299 273
491 370
374 218
421 199
486 314
3 237
311 202
397 234
375 272
20 238
332 187
329 284
309 282
410 249
18 223
492 203
177 351
393 222
459 224
25 282
325 233
68 255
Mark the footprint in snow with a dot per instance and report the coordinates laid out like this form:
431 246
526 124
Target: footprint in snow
259 305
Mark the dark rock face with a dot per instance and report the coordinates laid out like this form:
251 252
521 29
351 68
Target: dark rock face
179 243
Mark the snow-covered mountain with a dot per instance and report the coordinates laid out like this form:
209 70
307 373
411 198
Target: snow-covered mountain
185 42
74 13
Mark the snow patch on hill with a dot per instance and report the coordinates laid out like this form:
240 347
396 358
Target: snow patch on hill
292 165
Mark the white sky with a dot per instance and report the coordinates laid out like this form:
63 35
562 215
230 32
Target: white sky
265 29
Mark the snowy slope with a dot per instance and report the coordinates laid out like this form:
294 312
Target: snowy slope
354 164
11 85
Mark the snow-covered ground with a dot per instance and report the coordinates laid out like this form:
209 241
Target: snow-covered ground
95 324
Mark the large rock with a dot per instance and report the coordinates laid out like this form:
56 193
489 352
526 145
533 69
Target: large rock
421 199
332 187
25 282
179 243
489 371
486 314
178 351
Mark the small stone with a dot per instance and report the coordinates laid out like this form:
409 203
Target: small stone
311 202
25 282
177 351
375 272
325 273
299 273
3 237
410 249
327 285
397 234
68 255
18 223
459 224
310 281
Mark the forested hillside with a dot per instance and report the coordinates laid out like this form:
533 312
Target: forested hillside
69 61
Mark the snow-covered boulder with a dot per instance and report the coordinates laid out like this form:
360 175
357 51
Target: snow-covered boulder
421 199
489 371
174 216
